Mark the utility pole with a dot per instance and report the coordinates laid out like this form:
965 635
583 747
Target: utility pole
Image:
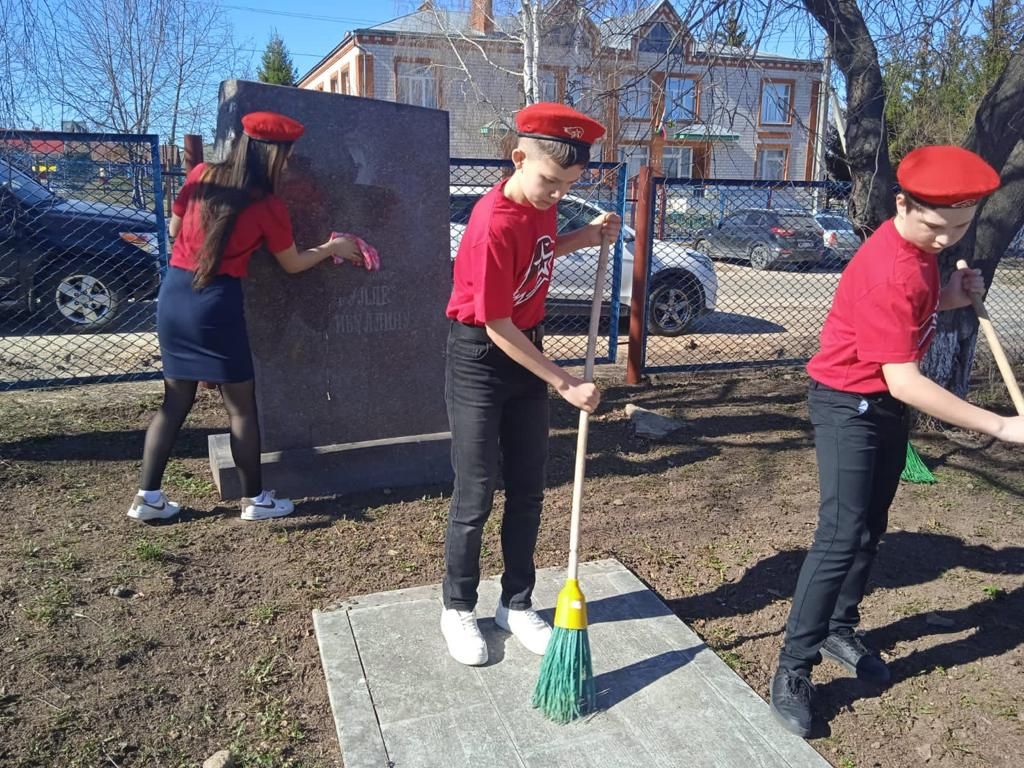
824 102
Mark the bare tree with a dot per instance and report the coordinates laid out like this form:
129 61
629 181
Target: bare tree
124 66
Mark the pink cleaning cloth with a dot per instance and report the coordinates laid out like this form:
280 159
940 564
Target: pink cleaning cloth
371 259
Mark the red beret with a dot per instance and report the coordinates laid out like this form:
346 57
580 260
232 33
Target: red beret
946 177
546 120
270 126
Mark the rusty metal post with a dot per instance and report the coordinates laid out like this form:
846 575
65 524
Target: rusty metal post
193 151
638 293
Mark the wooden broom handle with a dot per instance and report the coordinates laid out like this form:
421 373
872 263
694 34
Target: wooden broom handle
996 347
581 435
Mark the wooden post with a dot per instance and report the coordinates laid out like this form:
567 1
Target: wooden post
638 293
193 151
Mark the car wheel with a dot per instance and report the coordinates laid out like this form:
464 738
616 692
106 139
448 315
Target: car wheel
81 299
761 258
674 303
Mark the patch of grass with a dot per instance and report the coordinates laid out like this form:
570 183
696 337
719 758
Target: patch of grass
912 607
263 674
993 592
148 551
181 478
67 561
847 762
720 636
52 605
736 662
266 613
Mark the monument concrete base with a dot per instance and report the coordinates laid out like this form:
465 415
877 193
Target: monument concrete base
325 470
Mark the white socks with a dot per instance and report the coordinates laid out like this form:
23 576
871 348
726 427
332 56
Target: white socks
152 497
261 499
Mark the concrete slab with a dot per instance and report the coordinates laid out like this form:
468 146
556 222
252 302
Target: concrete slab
666 699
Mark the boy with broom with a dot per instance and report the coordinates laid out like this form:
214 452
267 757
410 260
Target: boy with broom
496 374
863 380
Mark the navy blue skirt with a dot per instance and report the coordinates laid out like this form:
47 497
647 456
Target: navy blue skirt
202 333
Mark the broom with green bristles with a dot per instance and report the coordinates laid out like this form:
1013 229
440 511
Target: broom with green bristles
565 688
915 470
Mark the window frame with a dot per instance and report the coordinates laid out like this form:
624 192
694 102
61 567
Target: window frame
789 109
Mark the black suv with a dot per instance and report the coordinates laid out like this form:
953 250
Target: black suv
765 237
75 263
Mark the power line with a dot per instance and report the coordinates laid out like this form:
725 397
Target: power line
297 15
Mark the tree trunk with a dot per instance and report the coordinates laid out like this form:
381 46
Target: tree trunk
996 136
853 50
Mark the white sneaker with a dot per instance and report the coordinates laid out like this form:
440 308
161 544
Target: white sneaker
144 511
528 627
270 507
465 643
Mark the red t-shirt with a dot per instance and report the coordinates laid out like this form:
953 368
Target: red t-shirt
503 267
264 221
884 311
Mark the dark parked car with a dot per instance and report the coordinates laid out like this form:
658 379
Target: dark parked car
765 237
75 263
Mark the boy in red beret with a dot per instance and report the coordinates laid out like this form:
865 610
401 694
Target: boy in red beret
497 375
863 381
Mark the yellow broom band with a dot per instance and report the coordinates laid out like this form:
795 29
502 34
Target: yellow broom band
571 609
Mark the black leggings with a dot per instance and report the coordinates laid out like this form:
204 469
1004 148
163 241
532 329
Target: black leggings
239 399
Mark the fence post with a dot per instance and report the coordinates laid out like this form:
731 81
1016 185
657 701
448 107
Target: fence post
193 151
638 293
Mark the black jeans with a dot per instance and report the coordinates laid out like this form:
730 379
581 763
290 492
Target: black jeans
498 413
861 445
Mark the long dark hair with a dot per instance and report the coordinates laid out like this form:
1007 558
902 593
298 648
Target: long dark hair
250 173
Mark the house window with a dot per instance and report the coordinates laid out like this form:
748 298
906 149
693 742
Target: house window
681 99
635 98
771 164
634 156
776 103
416 84
677 162
334 85
548 86
346 82
658 39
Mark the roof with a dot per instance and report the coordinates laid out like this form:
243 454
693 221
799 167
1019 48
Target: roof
439 21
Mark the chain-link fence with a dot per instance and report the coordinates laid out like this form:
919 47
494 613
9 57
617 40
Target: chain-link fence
773 254
82 246
601 188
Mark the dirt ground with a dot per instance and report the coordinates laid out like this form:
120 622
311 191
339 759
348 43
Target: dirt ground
131 645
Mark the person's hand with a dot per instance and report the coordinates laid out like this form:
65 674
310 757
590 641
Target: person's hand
581 394
1012 429
345 249
963 284
368 256
606 227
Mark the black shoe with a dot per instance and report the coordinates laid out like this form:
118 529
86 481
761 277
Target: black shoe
850 652
792 694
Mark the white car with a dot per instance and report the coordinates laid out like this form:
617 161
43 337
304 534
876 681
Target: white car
683 285
838 234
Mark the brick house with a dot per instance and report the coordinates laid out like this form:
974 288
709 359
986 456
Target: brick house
689 109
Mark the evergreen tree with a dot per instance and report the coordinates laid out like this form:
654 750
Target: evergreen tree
731 31
276 67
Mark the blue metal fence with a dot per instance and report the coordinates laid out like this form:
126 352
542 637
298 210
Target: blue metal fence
83 247
771 254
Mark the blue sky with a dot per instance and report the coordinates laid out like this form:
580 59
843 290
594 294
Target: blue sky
309 29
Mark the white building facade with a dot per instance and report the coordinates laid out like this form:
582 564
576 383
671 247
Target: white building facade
689 109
